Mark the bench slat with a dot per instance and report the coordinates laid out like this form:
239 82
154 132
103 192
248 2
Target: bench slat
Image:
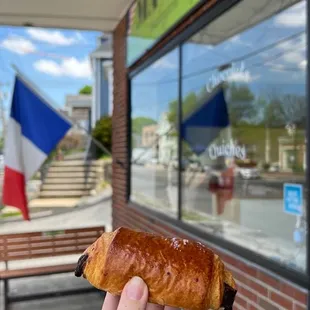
36 271
54 247
63 231
34 245
45 254
22 241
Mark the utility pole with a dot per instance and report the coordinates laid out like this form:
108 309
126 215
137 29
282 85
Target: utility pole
267 144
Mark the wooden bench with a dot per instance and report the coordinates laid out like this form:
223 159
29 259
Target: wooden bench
24 246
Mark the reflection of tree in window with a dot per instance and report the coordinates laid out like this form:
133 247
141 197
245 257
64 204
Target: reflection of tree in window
240 104
144 9
140 13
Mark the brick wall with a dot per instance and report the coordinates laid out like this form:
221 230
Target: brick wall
257 288
119 119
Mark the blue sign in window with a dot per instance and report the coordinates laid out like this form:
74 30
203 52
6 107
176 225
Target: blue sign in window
293 199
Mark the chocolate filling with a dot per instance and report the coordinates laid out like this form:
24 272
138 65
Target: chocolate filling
80 265
229 297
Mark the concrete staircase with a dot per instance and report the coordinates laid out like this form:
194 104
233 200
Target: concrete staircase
69 179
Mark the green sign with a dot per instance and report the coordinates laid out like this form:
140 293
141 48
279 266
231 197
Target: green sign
152 18
149 19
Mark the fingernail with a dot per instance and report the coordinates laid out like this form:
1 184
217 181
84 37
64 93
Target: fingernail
135 288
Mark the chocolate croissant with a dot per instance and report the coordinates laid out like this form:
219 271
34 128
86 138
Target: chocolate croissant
179 273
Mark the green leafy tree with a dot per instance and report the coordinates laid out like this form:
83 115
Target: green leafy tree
240 104
103 133
86 90
189 104
1 144
137 125
139 122
295 109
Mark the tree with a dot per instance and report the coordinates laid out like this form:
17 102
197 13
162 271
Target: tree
240 104
189 104
103 133
1 144
86 90
139 122
295 110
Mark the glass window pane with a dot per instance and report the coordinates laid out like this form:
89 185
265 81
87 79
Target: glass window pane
154 97
244 128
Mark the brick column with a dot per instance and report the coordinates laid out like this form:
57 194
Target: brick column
119 122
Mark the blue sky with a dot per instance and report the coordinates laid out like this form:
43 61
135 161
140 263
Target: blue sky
281 68
55 60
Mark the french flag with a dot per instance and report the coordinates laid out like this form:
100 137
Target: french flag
34 130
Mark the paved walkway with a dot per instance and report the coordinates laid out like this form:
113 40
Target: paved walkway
98 214
91 301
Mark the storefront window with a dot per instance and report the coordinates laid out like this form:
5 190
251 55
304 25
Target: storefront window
244 130
154 140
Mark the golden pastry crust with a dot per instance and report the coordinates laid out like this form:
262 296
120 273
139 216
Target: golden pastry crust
178 273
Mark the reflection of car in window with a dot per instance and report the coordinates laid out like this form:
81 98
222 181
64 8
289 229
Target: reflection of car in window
247 170
195 165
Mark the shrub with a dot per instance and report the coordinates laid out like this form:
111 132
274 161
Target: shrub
266 166
70 142
103 134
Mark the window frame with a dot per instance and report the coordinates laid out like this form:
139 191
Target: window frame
295 276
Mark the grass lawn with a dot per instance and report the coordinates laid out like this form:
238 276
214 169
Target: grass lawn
9 214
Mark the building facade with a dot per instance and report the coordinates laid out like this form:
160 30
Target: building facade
230 78
102 66
78 109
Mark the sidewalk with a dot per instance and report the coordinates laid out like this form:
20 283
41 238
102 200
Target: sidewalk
42 208
51 284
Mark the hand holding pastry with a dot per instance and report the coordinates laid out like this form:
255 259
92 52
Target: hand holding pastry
133 297
179 273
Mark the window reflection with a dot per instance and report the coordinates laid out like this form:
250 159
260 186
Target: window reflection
244 129
154 139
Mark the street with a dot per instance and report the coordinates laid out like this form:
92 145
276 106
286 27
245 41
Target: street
261 203
99 214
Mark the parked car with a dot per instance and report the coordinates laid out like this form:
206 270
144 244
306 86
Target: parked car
153 161
175 164
247 173
274 167
195 165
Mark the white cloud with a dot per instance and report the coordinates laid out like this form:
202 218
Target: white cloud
54 36
80 37
294 51
293 17
298 43
242 77
18 45
303 64
163 63
70 67
276 67
236 40
294 57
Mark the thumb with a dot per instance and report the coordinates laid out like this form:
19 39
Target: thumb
134 295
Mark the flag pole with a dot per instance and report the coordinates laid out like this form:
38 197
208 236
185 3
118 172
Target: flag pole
52 104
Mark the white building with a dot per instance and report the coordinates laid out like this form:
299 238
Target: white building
78 108
102 66
167 143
